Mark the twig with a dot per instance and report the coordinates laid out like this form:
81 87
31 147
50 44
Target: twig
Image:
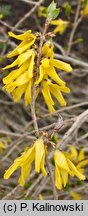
30 2
52 179
75 25
72 60
34 118
33 101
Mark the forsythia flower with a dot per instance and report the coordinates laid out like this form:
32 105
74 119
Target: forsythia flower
35 153
47 69
63 168
75 195
2 146
60 24
19 81
49 88
78 158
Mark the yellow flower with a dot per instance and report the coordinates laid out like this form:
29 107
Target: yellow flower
35 153
48 65
63 167
84 12
60 24
2 146
42 11
49 88
78 158
47 69
27 39
19 81
75 195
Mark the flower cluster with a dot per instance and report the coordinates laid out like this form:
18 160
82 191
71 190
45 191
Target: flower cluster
20 81
63 165
35 153
63 168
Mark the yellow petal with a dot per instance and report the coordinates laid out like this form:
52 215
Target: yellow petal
15 73
58 181
45 63
25 172
81 155
61 25
47 50
60 160
25 47
15 63
61 65
52 73
58 95
18 92
74 170
22 79
42 166
10 87
15 51
10 170
31 66
57 87
25 36
47 97
64 176
27 96
22 47
82 164
39 152
74 154
24 56
42 73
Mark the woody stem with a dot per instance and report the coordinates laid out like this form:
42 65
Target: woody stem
33 112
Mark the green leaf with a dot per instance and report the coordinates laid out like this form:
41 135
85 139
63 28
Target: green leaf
79 40
85 2
6 10
67 8
52 11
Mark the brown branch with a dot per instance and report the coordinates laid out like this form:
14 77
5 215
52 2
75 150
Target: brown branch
42 39
77 20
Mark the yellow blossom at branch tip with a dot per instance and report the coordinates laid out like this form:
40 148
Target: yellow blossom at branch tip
35 153
63 168
61 26
20 80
